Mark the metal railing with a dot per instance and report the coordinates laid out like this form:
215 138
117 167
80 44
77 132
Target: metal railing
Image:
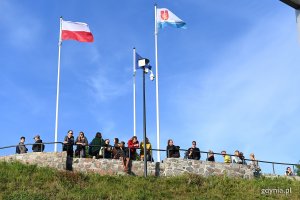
163 150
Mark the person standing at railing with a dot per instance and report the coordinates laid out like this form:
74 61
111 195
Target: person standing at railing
68 143
38 147
242 157
116 148
21 148
107 149
227 158
148 150
211 156
133 144
254 165
236 157
123 154
289 172
81 142
96 143
172 150
193 152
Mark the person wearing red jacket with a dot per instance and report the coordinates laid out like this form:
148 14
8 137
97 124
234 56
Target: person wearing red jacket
133 144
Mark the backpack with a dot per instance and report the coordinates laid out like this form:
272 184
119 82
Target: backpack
18 150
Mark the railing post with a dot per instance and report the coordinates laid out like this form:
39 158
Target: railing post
129 149
294 169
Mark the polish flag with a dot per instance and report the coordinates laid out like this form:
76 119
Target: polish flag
76 31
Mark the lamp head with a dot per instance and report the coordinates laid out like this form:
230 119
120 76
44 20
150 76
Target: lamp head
152 77
143 62
293 3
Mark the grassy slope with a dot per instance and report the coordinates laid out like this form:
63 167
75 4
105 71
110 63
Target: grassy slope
18 181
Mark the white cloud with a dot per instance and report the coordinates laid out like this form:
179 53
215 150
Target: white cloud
108 82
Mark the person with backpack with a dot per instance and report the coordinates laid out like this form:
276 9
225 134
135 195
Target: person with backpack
96 145
38 146
21 148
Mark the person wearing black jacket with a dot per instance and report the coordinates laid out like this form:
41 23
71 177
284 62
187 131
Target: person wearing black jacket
172 150
38 147
193 152
68 143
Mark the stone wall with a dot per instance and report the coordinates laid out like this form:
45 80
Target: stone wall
169 167
178 166
55 160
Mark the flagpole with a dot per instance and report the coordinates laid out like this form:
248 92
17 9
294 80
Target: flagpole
156 85
57 86
134 93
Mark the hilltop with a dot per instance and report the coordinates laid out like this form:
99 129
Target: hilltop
19 181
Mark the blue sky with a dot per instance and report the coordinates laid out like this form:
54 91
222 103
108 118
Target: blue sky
230 81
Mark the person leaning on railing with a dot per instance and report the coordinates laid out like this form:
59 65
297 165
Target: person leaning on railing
148 150
96 145
236 157
242 157
107 149
211 156
115 149
81 142
172 150
37 146
68 143
289 172
21 148
193 152
133 144
254 165
227 158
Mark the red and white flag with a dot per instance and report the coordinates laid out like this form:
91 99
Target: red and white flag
76 31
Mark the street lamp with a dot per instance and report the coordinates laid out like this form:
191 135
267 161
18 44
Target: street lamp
143 63
293 3
296 5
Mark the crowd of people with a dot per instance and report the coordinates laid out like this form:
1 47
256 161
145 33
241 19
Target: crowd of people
101 148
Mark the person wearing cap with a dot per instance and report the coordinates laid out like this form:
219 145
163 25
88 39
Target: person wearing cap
38 146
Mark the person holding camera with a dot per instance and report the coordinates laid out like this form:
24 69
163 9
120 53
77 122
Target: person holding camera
193 152
172 150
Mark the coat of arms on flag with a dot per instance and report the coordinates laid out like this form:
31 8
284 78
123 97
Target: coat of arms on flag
164 14
166 17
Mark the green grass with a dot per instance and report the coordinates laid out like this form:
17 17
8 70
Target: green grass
19 181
